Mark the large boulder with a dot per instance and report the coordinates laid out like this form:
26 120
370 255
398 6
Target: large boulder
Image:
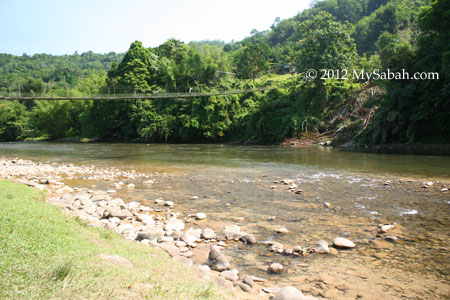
217 261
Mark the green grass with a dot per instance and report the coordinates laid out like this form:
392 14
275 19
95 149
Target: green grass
47 255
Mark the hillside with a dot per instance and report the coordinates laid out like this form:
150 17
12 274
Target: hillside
339 35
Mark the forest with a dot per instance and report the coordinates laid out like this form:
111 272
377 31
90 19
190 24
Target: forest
358 35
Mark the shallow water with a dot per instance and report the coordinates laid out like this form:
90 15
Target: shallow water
236 186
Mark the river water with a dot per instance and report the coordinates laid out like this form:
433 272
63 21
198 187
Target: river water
241 185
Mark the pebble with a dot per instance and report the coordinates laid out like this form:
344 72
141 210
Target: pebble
208 234
231 275
275 268
169 203
321 247
386 228
341 242
159 201
194 198
200 216
130 186
282 230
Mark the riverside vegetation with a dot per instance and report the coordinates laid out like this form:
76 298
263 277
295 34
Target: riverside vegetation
344 34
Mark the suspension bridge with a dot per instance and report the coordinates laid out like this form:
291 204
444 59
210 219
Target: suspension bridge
135 96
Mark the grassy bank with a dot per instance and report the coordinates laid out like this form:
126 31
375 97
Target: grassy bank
47 255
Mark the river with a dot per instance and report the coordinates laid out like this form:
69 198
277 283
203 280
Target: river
242 185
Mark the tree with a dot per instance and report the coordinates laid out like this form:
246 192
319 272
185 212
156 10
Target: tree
327 44
252 60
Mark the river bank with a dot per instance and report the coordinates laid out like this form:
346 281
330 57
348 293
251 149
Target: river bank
167 215
159 227
47 255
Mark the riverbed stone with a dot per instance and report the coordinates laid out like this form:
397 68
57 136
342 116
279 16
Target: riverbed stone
341 242
275 268
208 234
248 280
232 232
118 213
217 261
243 286
191 236
289 293
231 275
174 224
200 216
321 247
146 219
386 227
170 248
282 230
151 233
249 239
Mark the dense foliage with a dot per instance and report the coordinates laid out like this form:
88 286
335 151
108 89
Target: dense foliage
332 34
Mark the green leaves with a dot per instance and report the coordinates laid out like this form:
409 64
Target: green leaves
327 44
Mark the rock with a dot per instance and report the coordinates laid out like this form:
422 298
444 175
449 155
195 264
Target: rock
444 190
243 286
217 261
249 239
271 218
341 242
248 280
117 202
232 232
81 196
187 254
282 230
64 190
170 248
151 233
200 216
116 260
184 261
429 183
169 203
386 228
159 201
174 224
191 236
148 181
275 268
327 205
231 275
297 249
114 220
165 239
321 247
146 219
118 213
208 234
289 293
180 244
258 279
194 198
130 186
391 238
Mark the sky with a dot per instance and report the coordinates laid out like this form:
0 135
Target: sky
65 26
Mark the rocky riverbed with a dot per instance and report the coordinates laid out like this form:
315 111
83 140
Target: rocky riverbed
195 239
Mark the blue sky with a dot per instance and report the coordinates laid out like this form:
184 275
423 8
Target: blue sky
66 26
